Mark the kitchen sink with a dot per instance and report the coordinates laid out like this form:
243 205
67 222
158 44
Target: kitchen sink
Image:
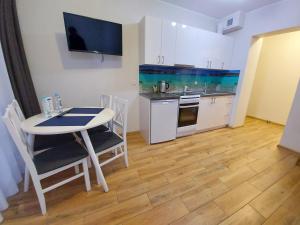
216 93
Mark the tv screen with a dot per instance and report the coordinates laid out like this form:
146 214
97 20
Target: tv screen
86 34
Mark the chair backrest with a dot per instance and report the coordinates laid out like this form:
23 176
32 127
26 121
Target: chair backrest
13 126
18 110
16 107
120 107
105 101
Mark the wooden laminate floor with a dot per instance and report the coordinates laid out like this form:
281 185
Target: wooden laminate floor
227 176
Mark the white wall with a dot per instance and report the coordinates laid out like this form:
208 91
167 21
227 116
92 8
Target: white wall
290 138
281 15
80 77
276 77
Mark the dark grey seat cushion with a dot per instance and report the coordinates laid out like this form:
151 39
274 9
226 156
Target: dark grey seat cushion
95 130
48 141
58 157
105 140
98 129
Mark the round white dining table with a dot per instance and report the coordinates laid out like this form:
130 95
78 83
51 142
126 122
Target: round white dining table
106 115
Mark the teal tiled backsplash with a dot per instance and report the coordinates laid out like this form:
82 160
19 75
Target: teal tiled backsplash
196 79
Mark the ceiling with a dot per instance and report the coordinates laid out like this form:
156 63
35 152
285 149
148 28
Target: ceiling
220 8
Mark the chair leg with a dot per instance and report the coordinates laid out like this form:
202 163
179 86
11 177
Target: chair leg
86 175
42 202
26 180
77 171
40 195
89 162
115 151
125 154
77 138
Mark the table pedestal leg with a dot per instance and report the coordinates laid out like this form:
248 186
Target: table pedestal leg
90 148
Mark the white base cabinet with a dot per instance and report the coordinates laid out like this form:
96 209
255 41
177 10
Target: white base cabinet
158 119
164 117
214 112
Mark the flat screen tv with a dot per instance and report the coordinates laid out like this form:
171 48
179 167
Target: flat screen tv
86 34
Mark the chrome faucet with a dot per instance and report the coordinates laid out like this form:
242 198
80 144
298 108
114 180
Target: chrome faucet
186 88
205 88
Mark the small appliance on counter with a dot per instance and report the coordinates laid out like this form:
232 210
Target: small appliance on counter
163 86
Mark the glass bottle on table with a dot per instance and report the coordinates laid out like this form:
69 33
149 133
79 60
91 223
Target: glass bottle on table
47 104
58 103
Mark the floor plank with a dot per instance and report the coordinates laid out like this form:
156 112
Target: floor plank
247 215
205 193
161 215
273 197
209 214
236 198
118 213
272 174
238 176
289 211
171 191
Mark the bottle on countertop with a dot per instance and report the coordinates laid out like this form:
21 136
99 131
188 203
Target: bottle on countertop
58 103
47 104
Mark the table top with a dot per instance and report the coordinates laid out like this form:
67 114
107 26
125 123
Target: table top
29 125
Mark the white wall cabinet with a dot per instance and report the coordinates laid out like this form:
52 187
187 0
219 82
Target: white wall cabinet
187 45
157 42
215 50
214 112
222 52
167 43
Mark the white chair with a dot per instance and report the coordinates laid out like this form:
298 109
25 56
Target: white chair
18 109
47 163
116 140
105 101
40 143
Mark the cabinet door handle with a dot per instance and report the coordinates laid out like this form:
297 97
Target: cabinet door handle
158 60
163 60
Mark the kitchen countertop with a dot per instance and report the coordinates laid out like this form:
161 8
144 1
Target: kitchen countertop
164 96
160 96
216 94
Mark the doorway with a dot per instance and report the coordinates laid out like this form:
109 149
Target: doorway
276 77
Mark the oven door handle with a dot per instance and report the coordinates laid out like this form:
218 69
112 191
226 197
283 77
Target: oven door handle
188 106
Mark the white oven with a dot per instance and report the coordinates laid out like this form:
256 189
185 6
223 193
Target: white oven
188 113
